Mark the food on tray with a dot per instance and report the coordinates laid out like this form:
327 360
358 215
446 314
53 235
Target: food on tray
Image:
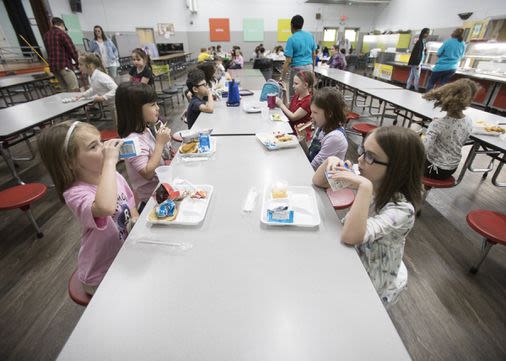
282 137
153 215
279 190
495 129
204 142
280 214
191 147
276 116
199 194
165 191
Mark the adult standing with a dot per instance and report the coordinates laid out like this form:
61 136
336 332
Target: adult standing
449 55
416 59
61 52
299 52
108 52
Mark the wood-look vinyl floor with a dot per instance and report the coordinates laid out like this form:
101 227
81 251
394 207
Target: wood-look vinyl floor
445 314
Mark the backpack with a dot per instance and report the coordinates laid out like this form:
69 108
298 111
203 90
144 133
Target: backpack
270 87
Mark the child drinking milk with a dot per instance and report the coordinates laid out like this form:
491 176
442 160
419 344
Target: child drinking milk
389 190
138 115
83 170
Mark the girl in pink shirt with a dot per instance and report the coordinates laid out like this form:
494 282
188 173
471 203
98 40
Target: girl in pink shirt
83 170
138 118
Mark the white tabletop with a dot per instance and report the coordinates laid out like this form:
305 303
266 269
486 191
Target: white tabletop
354 80
18 118
243 73
243 291
414 102
235 121
14 80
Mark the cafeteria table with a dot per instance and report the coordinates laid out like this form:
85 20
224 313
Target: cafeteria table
232 288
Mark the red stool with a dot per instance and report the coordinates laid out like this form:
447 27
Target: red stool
177 137
108 134
430 183
363 129
351 116
76 292
492 226
438 183
342 198
22 196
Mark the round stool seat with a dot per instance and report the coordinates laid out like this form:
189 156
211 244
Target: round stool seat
108 134
342 198
21 196
438 183
177 137
491 225
76 291
352 116
364 128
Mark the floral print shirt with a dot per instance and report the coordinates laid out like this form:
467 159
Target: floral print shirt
444 140
383 247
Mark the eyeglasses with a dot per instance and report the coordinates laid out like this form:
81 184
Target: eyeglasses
199 85
368 157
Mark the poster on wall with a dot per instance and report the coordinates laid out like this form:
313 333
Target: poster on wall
74 28
284 29
166 30
219 29
253 29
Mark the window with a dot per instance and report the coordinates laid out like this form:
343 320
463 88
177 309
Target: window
330 35
350 34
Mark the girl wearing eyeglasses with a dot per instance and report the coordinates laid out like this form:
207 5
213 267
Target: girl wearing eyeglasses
388 192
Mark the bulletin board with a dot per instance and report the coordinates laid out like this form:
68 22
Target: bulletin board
74 28
219 29
253 29
284 29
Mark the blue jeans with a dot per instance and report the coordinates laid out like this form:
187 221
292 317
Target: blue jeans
414 76
442 76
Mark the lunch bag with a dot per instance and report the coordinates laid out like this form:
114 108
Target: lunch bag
270 87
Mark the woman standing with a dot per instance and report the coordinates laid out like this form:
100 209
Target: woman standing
108 52
449 55
416 59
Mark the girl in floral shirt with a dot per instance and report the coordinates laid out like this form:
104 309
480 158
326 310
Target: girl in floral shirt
388 193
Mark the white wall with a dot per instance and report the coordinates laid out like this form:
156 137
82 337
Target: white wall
117 15
8 30
269 10
417 14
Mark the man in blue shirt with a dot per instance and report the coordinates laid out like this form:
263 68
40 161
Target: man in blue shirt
300 51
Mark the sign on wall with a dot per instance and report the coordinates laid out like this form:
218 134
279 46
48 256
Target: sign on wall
383 71
166 30
74 28
284 29
253 29
219 29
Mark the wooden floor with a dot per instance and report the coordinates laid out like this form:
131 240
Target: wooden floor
445 314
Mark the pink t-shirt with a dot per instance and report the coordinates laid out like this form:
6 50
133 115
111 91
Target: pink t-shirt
101 238
142 187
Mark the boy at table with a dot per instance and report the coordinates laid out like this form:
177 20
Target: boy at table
202 99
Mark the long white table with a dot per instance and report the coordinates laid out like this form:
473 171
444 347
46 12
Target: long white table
21 118
353 80
235 121
243 291
20 80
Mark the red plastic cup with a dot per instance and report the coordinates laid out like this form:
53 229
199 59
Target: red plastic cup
271 101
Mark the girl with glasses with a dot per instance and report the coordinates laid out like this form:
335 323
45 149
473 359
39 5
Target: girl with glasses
388 193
